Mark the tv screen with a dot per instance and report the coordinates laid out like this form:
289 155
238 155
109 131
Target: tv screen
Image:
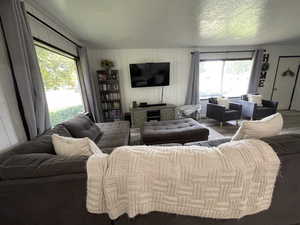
150 74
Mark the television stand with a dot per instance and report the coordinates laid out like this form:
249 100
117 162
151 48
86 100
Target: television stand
158 112
151 105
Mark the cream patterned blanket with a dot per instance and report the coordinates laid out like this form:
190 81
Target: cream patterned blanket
229 181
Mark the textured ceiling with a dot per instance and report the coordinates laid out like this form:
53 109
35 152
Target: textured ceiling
178 23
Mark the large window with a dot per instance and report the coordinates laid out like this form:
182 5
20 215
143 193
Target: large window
60 77
228 78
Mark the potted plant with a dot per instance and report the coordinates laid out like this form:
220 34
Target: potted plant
107 64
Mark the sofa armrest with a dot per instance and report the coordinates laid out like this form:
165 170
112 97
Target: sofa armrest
41 165
235 106
270 104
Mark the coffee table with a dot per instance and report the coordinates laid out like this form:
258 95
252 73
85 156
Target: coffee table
173 131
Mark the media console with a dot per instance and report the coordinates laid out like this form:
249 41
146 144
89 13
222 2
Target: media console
151 105
158 112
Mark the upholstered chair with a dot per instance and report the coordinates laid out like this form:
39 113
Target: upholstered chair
253 111
221 114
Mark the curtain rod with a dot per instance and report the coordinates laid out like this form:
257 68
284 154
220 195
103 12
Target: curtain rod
224 51
57 50
53 29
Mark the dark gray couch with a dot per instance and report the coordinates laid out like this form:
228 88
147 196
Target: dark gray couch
285 205
38 187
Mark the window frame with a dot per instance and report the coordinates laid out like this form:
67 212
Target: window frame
49 47
223 66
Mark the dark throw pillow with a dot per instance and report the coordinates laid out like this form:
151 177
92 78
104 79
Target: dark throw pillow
82 126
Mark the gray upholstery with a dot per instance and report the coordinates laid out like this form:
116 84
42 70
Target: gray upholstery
211 143
39 187
220 113
255 112
115 134
40 165
284 209
82 126
42 188
173 131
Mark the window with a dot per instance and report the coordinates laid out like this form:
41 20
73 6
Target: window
228 78
60 77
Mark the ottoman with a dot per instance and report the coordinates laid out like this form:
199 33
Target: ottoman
173 131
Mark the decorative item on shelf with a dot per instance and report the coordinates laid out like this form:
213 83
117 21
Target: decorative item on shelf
134 104
107 64
102 75
288 72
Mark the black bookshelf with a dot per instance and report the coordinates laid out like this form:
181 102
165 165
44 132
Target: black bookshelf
110 96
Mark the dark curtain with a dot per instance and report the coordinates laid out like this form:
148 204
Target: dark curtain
192 97
25 67
89 86
255 72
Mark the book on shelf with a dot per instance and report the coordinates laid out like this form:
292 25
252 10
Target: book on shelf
110 97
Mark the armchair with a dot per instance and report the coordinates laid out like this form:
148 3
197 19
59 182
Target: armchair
254 112
221 114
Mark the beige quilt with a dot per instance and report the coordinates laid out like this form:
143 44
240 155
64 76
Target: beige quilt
229 181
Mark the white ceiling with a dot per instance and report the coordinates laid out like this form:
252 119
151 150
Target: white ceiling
178 23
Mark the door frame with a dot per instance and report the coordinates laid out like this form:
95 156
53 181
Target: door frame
296 80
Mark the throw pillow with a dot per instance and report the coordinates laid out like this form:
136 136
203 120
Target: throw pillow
223 102
255 98
82 126
67 146
269 126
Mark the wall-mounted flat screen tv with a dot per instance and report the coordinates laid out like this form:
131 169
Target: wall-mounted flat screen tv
150 74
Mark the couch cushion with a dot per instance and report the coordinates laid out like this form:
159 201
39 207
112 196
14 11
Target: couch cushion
211 143
40 144
266 127
40 165
115 134
59 129
284 144
82 126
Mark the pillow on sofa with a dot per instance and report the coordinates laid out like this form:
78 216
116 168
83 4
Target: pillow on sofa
82 126
269 126
67 146
223 102
60 130
255 98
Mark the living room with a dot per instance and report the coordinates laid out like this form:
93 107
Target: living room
149 112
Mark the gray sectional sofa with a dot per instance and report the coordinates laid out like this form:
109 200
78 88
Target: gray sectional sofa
38 187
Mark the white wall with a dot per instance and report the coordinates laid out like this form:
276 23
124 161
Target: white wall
276 51
179 71
180 65
11 126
